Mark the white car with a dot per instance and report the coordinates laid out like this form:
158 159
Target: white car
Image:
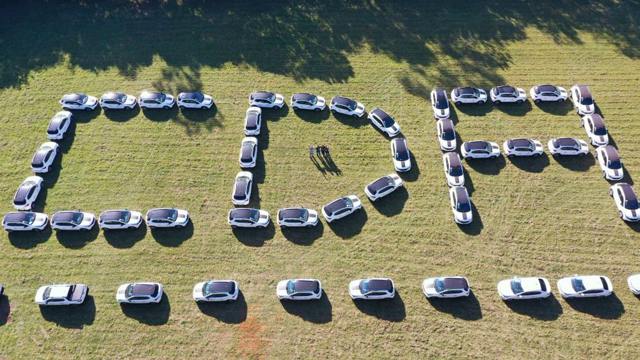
297 217
460 205
242 186
610 163
24 221
266 99
384 122
253 121
383 186
446 135
339 208
626 201
446 287
139 293
584 286
44 157
468 95
216 291
78 101
582 100
634 283
306 101
440 103
346 106
524 288
72 220
61 294
299 289
522 147
27 193
567 146
248 218
167 218
548 93
596 130
248 152
372 289
59 124
194 100
400 154
155 100
453 169
117 101
508 94
120 219
479 149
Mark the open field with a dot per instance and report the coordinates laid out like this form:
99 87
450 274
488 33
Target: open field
543 217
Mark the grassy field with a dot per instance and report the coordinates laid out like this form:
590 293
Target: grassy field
541 217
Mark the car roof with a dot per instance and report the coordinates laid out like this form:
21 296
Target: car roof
21 194
73 97
400 144
303 97
252 118
59 291
612 153
55 122
592 282
381 114
476 145
530 284
462 195
246 151
17 216
64 216
220 286
598 121
466 90
336 205
112 95
161 213
240 188
380 284
455 283
38 157
447 125
341 100
242 212
150 95
584 91
143 289
264 95
454 159
192 95
292 213
627 191
525 143
570 142
110 215
380 183
505 89
307 285
547 88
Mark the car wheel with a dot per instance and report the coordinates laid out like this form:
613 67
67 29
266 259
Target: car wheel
458 103
620 215
604 175
234 227
166 107
561 100
481 102
497 102
316 109
203 107
610 192
181 107
519 101
537 101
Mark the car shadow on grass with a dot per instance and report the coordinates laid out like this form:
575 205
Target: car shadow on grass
515 109
351 225
476 226
5 309
173 237
314 117
149 314
386 309
534 164
122 115
555 108
275 114
487 166
254 236
353 121
228 312
85 116
392 204
314 311
124 239
576 163
475 109
29 239
161 115
69 137
465 308
546 309
50 178
413 174
609 307
303 236
77 239
71 316
200 115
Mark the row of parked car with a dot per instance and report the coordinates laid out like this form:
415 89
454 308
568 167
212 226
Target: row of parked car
517 288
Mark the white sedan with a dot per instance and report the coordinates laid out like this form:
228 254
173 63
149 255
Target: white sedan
248 152
582 99
524 288
78 101
400 154
24 221
27 193
384 122
346 106
634 283
58 125
548 93
306 101
567 146
253 121
266 99
299 289
479 149
120 219
194 100
383 186
440 103
216 291
44 157
248 218
155 100
339 208
460 205
117 101
584 286
468 95
610 162
372 289
453 169
72 220
167 218
61 294
297 217
523 147
508 94
446 287
139 293
446 134
626 201
242 186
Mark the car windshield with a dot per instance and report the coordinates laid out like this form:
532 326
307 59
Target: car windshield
401 153
116 217
462 204
448 135
455 170
368 286
516 287
600 130
439 285
587 100
614 164
577 284
441 100
386 119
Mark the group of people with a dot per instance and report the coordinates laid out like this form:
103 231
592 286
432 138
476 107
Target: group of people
319 150
325 164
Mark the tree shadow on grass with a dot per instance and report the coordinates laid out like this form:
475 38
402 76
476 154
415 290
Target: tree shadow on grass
387 309
228 312
392 204
465 308
29 239
303 236
77 239
124 239
5 309
609 307
534 164
314 311
576 163
173 237
314 117
556 108
122 115
351 225
546 309
254 236
71 316
149 314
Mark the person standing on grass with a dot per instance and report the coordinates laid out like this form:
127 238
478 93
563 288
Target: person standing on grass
319 150
312 151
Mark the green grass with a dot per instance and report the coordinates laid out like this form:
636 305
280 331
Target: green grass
544 217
